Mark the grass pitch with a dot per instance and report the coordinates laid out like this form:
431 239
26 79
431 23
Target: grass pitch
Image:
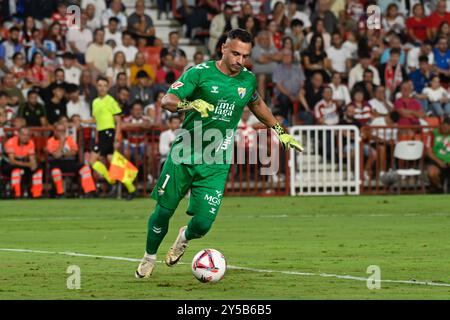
312 240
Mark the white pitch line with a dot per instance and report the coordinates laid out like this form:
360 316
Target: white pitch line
298 273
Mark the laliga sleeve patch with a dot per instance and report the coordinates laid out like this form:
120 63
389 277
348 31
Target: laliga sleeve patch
176 85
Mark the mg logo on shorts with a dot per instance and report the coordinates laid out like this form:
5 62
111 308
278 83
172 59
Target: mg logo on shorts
214 200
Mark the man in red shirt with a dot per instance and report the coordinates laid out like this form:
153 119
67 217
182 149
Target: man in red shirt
439 16
408 107
62 151
21 161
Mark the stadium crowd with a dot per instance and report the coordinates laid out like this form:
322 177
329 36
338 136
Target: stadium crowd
322 62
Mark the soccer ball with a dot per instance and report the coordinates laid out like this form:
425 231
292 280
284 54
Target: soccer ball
209 265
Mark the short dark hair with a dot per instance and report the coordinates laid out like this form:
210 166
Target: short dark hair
71 88
102 78
395 51
296 23
142 74
123 88
367 71
423 58
3 93
241 35
113 19
59 86
32 91
59 70
173 32
173 117
14 28
121 74
68 55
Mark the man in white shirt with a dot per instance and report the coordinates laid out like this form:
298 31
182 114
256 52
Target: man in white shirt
168 137
100 7
79 38
71 72
326 111
112 32
380 105
115 10
412 60
357 72
76 105
127 48
339 56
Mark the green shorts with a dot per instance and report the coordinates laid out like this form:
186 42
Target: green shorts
207 183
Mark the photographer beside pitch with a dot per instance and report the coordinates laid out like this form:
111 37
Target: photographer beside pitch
213 94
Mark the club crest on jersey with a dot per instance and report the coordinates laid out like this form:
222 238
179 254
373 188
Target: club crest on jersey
242 92
214 89
177 85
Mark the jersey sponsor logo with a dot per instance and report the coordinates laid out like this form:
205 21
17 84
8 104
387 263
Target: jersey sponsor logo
214 200
242 92
201 66
213 210
157 230
214 89
177 85
224 110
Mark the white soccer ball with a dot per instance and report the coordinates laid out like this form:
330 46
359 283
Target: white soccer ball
209 265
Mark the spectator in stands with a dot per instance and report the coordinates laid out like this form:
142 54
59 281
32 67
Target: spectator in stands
309 96
143 91
438 98
8 47
18 69
436 18
357 72
140 65
245 134
166 63
379 104
438 155
323 12
21 163
408 107
248 23
120 81
36 73
265 57
326 110
288 79
56 107
443 31
72 73
221 24
319 29
198 58
340 57
416 25
16 98
58 79
55 40
112 32
79 39
76 105
425 49
123 100
297 35
394 44
87 89
382 140
442 59
33 112
134 141
63 150
366 85
119 65
392 73
341 95
157 115
93 20
115 10
179 61
420 79
26 36
351 45
140 24
99 7
294 13
363 110
393 21
127 48
61 16
168 137
98 54
315 58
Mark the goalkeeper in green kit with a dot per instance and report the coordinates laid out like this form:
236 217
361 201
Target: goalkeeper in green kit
213 96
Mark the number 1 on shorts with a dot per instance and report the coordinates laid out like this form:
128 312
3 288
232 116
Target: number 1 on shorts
165 181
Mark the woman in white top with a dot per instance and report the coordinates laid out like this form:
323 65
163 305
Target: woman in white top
341 95
393 21
438 98
119 65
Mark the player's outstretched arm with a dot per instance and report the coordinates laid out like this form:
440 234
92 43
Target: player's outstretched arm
263 113
172 103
